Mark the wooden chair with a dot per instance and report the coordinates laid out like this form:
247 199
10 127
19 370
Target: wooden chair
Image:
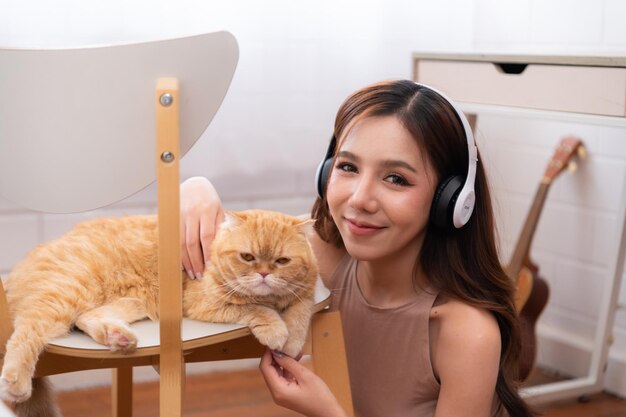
94 145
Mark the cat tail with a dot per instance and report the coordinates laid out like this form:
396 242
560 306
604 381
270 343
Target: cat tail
41 402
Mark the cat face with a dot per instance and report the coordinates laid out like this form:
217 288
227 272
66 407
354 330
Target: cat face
263 253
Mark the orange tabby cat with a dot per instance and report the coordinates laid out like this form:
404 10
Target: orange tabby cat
102 276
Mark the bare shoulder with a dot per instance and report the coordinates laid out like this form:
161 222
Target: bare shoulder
458 323
464 320
328 255
463 336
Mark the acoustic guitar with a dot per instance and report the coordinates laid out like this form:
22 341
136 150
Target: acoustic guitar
532 291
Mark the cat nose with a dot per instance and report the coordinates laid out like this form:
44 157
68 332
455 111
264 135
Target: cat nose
264 274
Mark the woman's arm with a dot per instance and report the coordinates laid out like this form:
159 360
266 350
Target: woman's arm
465 352
328 256
297 388
201 213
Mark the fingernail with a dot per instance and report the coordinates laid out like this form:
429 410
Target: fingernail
278 354
198 276
189 274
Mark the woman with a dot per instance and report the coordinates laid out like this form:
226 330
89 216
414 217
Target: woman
427 310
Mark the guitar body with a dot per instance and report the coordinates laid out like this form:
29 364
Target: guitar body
523 288
533 307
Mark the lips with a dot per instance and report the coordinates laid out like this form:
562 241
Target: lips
361 228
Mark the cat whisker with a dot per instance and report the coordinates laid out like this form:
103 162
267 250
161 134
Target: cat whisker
295 294
299 285
224 297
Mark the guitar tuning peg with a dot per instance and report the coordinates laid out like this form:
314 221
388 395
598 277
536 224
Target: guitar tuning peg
582 152
572 167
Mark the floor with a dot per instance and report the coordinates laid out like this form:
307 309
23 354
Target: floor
243 393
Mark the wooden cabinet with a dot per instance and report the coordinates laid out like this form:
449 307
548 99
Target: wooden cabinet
593 85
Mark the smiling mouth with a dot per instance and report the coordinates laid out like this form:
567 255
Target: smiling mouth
362 229
363 224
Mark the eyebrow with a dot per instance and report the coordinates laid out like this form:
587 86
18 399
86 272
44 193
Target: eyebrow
388 163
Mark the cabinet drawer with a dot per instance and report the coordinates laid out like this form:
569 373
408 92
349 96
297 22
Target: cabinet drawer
581 89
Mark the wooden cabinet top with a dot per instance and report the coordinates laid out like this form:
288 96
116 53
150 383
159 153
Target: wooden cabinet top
575 60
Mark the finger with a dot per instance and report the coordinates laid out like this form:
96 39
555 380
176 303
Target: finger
290 366
194 249
209 224
266 360
219 217
184 255
270 370
186 263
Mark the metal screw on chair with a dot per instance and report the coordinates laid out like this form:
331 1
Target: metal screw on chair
166 99
167 156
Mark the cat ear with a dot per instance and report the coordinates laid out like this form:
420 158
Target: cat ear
232 219
304 224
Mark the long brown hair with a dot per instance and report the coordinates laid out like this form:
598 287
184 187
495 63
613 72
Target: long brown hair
461 263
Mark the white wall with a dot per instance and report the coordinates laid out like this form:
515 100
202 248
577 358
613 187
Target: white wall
298 61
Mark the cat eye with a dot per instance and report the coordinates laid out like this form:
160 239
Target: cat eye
248 257
282 261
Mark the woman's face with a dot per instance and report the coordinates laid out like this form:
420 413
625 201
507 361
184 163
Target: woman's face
380 190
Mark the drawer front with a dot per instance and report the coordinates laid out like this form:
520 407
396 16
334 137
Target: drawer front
580 89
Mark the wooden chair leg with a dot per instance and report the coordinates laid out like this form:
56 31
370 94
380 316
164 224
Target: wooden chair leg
172 386
171 364
329 357
122 392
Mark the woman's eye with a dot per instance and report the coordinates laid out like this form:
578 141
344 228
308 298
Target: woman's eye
282 261
248 257
344 166
397 179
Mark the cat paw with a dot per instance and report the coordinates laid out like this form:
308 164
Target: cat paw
293 347
273 335
15 386
120 339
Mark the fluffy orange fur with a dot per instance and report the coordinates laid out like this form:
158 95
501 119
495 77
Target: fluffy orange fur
102 275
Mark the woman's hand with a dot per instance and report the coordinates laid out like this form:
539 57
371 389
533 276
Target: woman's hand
294 386
201 213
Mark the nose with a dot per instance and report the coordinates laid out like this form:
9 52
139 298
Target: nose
364 194
263 274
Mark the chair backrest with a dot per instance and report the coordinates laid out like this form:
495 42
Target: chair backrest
77 126
78 130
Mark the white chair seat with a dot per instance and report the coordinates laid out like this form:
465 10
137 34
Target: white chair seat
194 333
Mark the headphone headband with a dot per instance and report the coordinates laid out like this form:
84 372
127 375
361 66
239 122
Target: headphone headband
464 204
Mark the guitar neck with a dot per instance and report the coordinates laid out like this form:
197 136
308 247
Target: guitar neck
520 253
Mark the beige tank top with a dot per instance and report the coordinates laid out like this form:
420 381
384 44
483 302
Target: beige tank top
388 350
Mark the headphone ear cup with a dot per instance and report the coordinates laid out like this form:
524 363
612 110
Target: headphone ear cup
323 172
324 168
442 208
